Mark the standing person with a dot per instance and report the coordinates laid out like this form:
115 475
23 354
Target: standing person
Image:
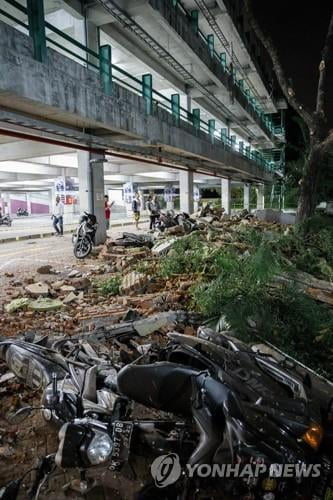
136 207
107 209
153 208
58 217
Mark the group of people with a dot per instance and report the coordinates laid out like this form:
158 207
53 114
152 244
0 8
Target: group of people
152 206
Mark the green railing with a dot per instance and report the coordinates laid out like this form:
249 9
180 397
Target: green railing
230 69
110 73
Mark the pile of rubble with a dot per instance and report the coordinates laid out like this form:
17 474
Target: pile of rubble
71 300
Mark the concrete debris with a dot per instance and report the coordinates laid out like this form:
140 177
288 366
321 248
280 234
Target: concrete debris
162 247
38 289
81 283
67 289
71 297
45 270
133 282
74 274
45 304
57 285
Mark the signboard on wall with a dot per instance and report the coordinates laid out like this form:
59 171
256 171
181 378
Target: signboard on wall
129 190
169 194
68 190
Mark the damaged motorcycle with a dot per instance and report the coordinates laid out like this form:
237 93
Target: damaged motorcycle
219 401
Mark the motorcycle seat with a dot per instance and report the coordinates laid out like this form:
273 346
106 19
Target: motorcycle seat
163 385
169 387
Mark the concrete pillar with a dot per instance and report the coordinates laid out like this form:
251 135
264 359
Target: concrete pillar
260 197
91 189
6 203
28 203
92 41
247 197
226 195
186 191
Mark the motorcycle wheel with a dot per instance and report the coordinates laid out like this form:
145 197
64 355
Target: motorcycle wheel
82 248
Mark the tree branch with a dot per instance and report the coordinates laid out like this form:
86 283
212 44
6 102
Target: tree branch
287 90
327 55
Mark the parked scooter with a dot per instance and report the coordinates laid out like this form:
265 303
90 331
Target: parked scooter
231 405
84 237
170 219
5 220
22 212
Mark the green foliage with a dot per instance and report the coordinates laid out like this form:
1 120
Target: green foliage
109 286
238 285
242 288
187 255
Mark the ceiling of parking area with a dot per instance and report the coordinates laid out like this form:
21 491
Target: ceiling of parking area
31 166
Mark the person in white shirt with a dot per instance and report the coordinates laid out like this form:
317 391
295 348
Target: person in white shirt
58 217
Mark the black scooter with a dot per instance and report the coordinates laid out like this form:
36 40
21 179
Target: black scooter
227 405
22 212
83 238
5 220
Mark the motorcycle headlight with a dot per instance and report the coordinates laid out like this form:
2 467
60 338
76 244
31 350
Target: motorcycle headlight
100 448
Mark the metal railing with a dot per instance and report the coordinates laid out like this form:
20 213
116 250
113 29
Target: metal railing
180 116
248 101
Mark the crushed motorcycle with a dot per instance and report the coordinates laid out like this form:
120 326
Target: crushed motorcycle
220 402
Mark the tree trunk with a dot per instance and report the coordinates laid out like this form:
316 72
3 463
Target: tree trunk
308 187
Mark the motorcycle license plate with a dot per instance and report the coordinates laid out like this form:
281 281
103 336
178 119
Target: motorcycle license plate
122 433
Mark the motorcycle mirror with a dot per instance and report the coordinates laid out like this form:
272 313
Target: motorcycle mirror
20 415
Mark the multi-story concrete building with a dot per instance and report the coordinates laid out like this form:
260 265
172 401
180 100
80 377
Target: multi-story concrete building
147 91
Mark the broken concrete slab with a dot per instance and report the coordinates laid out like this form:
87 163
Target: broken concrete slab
45 304
162 248
133 282
37 289
71 297
67 289
58 284
74 274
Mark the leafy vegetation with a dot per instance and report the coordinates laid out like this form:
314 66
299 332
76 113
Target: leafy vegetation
187 256
109 286
242 287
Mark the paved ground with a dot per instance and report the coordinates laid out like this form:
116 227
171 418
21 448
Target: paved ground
22 258
34 226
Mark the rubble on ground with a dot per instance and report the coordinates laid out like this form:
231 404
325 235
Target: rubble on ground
87 295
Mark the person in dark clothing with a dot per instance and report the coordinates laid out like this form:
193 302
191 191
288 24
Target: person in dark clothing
136 207
153 208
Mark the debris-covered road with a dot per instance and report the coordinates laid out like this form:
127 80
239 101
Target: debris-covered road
262 282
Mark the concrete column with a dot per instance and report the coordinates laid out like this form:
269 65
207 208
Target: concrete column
186 191
28 203
247 197
226 195
260 197
6 203
91 189
92 41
